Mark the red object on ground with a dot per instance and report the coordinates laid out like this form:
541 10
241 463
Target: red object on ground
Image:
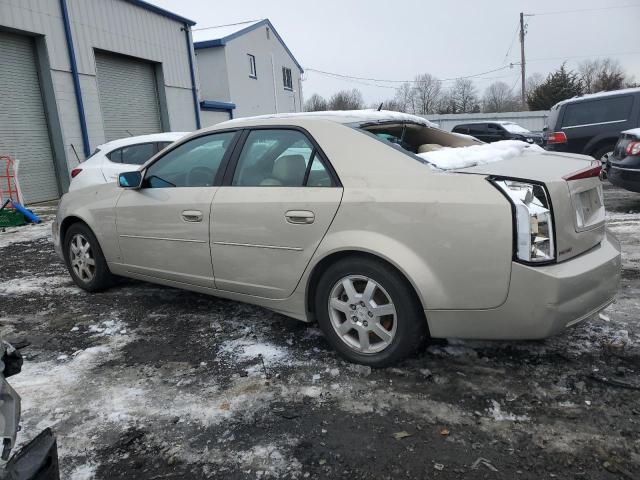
9 188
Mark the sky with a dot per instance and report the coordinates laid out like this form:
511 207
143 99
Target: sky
378 39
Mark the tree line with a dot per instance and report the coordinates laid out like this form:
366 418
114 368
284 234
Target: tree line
427 95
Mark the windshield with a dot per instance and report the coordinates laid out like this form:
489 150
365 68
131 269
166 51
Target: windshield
514 128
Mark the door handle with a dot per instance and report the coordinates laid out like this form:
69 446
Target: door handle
192 216
300 217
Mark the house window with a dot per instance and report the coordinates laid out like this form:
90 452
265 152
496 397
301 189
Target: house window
286 78
252 66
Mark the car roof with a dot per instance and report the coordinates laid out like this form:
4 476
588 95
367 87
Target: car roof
153 137
338 116
595 96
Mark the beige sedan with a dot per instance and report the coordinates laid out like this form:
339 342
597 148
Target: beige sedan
338 217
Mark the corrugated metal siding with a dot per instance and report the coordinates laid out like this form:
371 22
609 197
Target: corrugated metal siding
23 127
128 96
534 121
121 27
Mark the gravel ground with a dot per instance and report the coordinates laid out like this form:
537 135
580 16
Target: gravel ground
149 382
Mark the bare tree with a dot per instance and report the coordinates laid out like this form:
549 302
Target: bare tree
315 103
602 74
346 100
498 97
426 94
404 98
464 96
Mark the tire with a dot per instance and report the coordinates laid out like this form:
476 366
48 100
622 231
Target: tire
353 319
91 272
602 151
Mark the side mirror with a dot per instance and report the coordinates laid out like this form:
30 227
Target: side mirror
131 180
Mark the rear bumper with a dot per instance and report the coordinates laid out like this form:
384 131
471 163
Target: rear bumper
627 178
542 301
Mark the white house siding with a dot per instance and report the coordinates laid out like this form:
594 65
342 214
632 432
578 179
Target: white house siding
114 26
212 74
258 96
211 117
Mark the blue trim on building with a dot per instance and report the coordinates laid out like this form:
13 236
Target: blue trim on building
76 78
161 11
215 106
192 72
219 42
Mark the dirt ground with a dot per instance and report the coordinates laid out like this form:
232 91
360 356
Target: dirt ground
149 382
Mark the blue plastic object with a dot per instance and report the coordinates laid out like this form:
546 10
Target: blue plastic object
32 217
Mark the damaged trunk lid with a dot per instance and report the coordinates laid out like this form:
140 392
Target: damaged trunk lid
576 195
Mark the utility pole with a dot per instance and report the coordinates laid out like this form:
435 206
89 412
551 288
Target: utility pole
522 62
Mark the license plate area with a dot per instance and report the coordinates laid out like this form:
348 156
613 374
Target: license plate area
589 205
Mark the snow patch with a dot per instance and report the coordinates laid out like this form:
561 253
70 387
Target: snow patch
449 158
26 233
499 415
247 349
38 284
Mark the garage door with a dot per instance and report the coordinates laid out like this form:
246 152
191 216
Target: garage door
23 125
128 96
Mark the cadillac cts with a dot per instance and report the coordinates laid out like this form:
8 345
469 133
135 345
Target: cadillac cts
338 217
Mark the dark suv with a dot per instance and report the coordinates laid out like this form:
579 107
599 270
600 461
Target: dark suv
591 124
494 131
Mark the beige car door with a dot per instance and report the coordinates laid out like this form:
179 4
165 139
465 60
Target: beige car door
271 213
163 227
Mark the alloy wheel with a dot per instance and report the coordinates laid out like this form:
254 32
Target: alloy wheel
81 258
362 314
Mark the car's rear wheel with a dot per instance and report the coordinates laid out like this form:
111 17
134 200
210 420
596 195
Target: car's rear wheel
369 312
85 260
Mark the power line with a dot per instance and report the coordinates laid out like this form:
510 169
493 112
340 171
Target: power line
515 34
226 25
559 12
351 77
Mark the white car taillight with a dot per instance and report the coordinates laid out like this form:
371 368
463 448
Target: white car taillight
533 220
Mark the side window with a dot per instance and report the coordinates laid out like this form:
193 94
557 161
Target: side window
192 164
115 156
597 111
287 80
279 158
163 145
478 129
138 154
253 73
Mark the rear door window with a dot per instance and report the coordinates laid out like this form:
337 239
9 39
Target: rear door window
598 111
478 129
138 154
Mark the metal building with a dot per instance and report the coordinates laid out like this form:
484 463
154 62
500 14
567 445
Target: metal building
77 73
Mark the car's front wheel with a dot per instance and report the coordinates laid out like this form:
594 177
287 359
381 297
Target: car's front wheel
85 260
369 312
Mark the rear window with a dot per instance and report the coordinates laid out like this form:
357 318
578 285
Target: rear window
597 111
460 129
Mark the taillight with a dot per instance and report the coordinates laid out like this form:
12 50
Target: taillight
633 148
75 172
556 137
592 170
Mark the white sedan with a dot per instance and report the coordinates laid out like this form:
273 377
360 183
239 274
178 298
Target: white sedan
117 156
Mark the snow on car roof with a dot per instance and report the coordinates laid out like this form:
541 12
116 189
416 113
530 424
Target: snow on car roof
633 131
592 96
341 116
152 137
